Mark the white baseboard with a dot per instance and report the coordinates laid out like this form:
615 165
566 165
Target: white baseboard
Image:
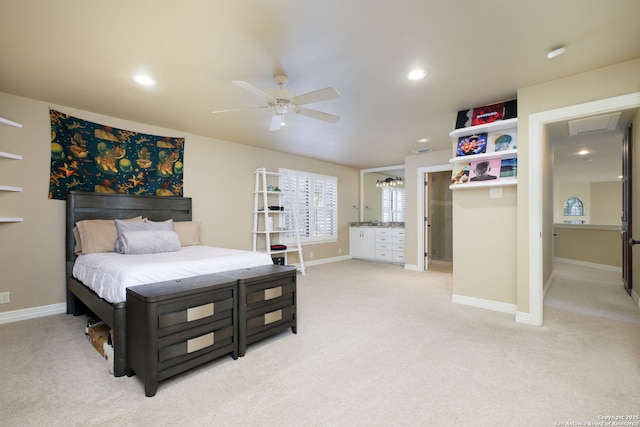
32 313
589 264
325 260
502 307
412 267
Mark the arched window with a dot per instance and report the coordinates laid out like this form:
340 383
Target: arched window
573 207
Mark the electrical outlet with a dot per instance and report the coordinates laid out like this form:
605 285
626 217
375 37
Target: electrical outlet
339 250
310 254
5 297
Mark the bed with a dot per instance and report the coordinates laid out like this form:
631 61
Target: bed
257 299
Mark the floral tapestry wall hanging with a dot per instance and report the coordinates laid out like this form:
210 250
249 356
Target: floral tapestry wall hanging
87 156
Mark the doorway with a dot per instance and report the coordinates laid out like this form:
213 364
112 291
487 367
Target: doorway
540 223
441 203
438 227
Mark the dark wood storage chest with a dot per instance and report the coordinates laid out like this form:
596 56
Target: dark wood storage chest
267 302
176 325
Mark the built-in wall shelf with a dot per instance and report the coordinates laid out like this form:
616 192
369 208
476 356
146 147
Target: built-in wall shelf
492 129
10 156
471 185
11 219
7 122
506 154
487 127
4 155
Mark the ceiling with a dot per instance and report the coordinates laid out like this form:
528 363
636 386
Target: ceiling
82 54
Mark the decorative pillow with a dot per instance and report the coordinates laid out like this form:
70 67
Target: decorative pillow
188 231
149 242
133 227
98 235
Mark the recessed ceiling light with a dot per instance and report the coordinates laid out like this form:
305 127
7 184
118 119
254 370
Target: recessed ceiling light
416 74
423 140
144 80
583 152
556 52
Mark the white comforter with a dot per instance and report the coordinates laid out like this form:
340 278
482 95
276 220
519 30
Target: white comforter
110 274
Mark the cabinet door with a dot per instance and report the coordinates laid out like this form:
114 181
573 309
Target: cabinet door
362 243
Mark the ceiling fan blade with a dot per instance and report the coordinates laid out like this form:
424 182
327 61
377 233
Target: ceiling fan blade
316 96
315 114
276 122
240 109
251 88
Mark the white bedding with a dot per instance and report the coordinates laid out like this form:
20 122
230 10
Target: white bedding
110 274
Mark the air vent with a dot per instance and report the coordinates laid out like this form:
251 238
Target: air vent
421 150
594 124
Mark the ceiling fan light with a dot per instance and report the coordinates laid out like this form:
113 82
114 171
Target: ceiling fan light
417 74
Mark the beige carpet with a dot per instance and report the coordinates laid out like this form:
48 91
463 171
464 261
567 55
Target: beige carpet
376 346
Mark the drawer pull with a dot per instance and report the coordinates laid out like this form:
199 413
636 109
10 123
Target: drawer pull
273 293
274 316
195 344
200 312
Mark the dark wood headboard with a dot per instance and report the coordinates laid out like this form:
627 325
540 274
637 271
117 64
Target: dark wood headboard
81 206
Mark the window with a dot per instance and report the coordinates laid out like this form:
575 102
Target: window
393 204
316 200
573 207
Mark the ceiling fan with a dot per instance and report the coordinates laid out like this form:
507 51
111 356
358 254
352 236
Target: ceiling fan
282 100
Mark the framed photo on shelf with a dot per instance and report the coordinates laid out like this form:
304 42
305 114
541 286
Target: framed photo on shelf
509 168
472 144
484 170
460 173
502 141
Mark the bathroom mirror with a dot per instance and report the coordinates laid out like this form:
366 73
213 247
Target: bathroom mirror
371 208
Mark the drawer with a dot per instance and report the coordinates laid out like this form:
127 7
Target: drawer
398 239
398 257
384 255
267 317
269 292
384 246
398 247
177 348
384 232
398 232
383 239
193 311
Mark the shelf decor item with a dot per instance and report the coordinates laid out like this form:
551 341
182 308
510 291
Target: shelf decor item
487 114
509 168
460 173
484 170
472 144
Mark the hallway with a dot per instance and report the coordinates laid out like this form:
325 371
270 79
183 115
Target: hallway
591 291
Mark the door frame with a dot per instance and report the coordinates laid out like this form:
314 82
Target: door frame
537 122
421 208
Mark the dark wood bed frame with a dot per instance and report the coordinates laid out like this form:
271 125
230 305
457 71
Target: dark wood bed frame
82 206
258 302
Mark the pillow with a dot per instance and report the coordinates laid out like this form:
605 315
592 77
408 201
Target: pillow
188 231
149 242
98 235
134 227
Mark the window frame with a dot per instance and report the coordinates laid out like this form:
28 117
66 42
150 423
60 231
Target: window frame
319 223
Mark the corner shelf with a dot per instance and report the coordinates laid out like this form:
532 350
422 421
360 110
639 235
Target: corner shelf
4 155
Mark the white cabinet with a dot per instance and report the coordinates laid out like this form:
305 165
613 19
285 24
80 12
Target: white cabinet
10 156
362 242
377 244
492 129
